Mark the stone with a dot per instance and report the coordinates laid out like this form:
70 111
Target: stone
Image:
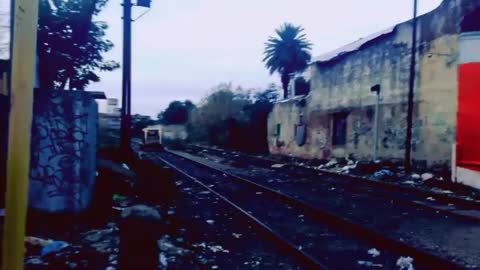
142 212
374 252
383 174
277 166
427 176
405 263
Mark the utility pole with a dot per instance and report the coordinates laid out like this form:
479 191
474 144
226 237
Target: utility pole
126 112
411 87
125 131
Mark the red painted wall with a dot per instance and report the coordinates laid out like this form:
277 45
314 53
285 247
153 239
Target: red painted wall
468 125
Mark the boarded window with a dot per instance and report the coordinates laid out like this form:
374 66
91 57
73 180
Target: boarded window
300 134
339 136
278 129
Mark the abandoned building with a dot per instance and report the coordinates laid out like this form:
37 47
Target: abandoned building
336 117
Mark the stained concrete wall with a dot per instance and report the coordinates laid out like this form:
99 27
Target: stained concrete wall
343 85
63 161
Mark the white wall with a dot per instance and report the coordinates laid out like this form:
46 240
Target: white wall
4 29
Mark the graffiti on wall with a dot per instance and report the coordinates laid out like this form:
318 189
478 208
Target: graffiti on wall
320 139
360 128
60 145
394 134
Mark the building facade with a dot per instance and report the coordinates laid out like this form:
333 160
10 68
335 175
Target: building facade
336 118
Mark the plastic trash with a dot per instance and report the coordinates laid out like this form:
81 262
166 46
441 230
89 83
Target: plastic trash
53 247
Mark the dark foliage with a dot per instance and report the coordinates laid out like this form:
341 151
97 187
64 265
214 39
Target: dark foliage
71 44
287 53
139 122
177 113
233 119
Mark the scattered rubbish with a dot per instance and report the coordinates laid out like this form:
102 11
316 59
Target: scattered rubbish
332 188
237 235
321 167
301 216
431 199
170 212
118 198
210 221
405 263
217 248
409 182
332 163
35 261
53 247
259 193
170 249
204 192
214 267
277 166
369 264
163 260
37 242
427 176
446 192
382 174
110 268
374 252
125 166
118 208
202 245
415 176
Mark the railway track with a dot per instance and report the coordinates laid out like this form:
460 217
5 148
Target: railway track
317 238
467 209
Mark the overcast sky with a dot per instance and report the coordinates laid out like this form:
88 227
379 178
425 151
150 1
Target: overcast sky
182 48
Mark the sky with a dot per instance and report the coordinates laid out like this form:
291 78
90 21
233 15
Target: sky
183 48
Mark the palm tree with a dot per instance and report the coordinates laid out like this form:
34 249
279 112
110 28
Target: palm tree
287 53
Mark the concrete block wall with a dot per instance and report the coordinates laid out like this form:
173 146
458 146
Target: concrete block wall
63 161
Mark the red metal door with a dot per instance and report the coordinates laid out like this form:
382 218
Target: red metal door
468 118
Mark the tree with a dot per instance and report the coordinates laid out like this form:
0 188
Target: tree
287 53
258 119
233 118
70 44
177 113
223 108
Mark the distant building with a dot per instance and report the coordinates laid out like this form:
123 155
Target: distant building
112 107
336 118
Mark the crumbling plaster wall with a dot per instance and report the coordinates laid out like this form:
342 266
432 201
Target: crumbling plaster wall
343 85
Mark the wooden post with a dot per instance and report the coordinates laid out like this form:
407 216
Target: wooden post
139 232
18 160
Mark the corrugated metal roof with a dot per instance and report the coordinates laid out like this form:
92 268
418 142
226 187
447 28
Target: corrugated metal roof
4 29
354 46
